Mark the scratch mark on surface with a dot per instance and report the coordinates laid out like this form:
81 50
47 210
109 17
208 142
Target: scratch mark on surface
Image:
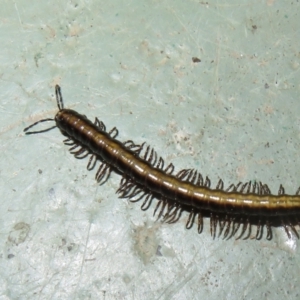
16 7
84 255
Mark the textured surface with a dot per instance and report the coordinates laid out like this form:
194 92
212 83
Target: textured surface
234 115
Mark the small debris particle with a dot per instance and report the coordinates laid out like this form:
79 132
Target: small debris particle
196 59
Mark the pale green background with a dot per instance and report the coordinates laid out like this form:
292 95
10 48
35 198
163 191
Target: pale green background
234 115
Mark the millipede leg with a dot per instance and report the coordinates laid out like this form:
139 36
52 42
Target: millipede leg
269 231
244 228
249 231
190 221
164 203
100 124
113 132
229 221
200 223
92 162
259 231
147 202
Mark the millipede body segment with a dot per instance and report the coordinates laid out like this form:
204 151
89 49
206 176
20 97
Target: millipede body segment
144 177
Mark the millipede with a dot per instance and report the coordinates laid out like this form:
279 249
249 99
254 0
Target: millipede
232 211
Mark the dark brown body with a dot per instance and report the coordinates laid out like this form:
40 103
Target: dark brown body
88 135
144 177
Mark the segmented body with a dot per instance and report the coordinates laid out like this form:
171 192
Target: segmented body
144 176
